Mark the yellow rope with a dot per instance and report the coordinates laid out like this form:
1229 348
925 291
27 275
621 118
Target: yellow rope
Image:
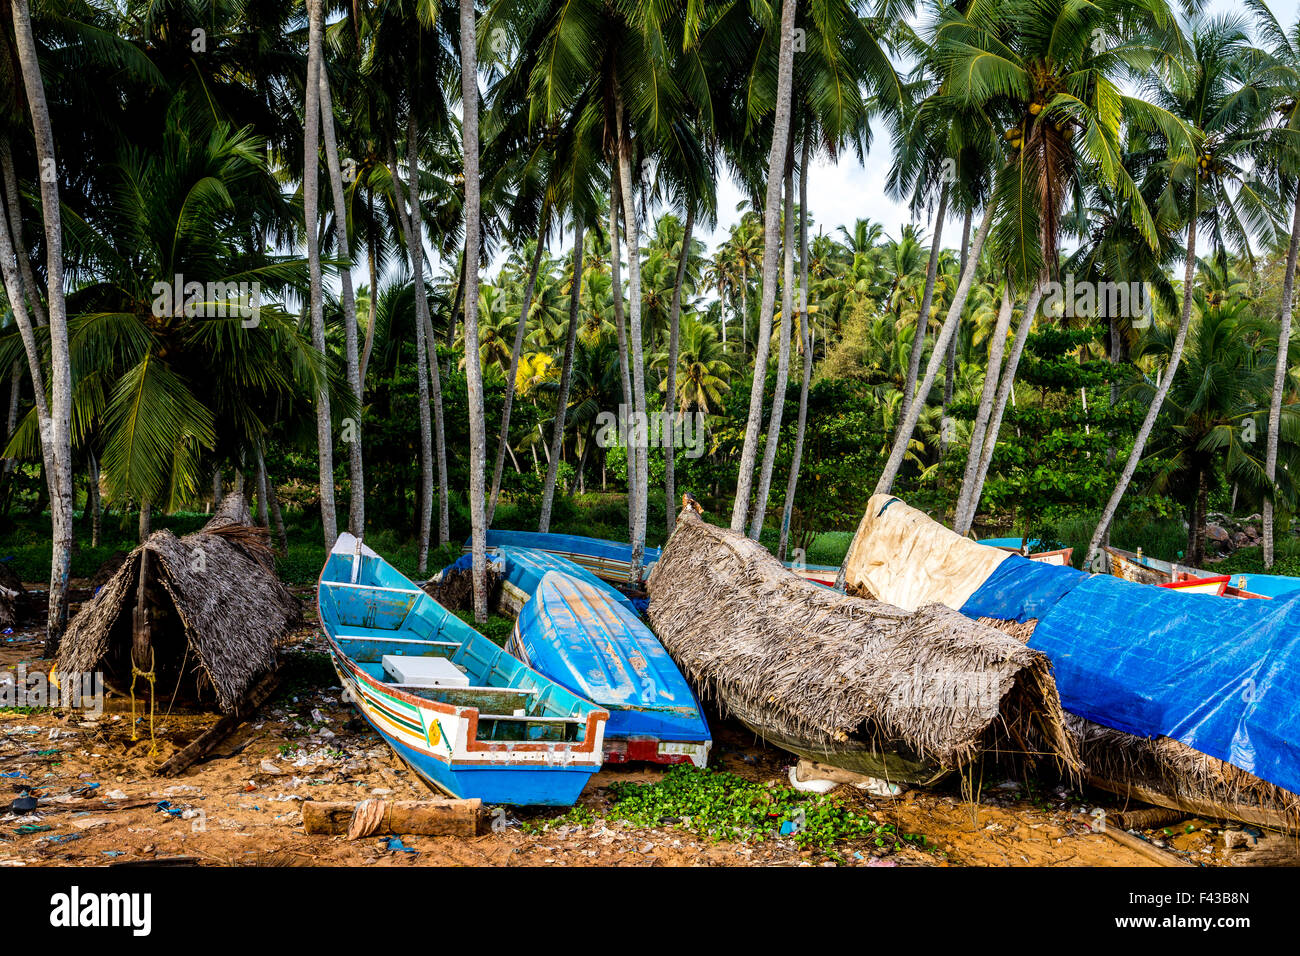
149 676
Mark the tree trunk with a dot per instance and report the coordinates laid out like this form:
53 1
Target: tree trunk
950 360
276 514
1279 384
263 507
473 366
992 374
782 361
635 339
357 502
9 182
371 264
1006 389
904 436
674 343
310 203
146 521
15 395
59 435
805 337
218 488
95 503
620 326
771 224
516 351
1167 380
927 297
566 379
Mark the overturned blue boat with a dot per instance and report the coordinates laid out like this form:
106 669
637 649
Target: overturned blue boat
607 560
468 717
585 638
1184 700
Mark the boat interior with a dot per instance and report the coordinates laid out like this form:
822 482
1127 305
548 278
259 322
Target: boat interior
378 618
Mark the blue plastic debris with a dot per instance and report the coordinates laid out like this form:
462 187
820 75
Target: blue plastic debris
165 806
395 844
114 853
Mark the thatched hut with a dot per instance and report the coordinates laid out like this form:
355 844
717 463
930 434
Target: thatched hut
900 695
201 614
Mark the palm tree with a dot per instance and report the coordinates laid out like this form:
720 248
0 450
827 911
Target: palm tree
566 373
474 370
1212 95
56 424
771 224
310 205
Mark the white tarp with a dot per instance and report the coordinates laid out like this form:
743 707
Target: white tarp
904 557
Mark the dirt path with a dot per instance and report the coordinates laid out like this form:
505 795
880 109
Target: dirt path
242 805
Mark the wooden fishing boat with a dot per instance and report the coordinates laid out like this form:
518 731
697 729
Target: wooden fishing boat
1135 566
824 574
1215 585
467 716
608 560
524 568
584 638
1062 556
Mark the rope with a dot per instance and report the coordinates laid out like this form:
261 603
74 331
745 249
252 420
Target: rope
150 677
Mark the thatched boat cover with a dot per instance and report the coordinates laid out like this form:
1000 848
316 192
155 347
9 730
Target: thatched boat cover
904 557
811 664
219 611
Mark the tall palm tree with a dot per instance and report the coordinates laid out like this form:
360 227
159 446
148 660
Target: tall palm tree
771 226
311 209
56 427
1212 93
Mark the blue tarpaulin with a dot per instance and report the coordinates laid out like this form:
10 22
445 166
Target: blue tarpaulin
1021 590
1218 675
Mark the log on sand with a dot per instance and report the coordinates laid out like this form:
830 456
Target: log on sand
440 817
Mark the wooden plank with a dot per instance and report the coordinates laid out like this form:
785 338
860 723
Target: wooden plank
1149 850
1195 807
256 696
437 817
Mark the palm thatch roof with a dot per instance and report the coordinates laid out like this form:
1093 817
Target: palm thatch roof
215 613
819 672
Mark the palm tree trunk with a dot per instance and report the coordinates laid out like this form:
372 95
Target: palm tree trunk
59 471
950 360
9 181
904 436
744 310
946 334
146 521
263 506
310 203
566 379
1167 380
670 395
635 338
96 503
771 224
992 374
1279 383
473 361
15 394
927 297
782 361
516 351
1006 389
374 288
805 337
415 244
357 502
620 327
218 487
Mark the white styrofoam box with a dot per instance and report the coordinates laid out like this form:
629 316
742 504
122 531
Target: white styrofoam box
423 671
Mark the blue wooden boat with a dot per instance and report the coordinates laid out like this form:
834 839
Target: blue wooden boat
608 560
466 715
524 568
580 636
